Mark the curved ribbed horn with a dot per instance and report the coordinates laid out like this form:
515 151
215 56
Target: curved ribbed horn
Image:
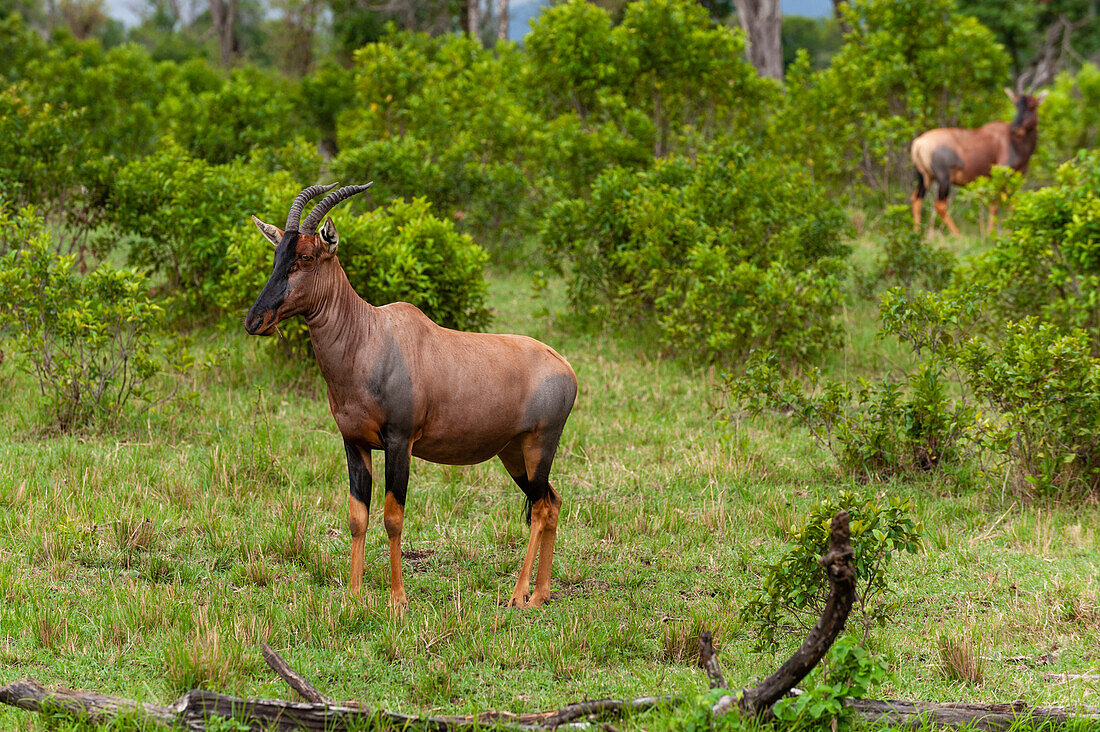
309 226
295 214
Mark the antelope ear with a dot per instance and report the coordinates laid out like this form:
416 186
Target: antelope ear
329 236
1041 96
1012 95
272 233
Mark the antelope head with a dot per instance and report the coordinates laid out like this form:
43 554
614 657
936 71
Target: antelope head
303 254
1027 113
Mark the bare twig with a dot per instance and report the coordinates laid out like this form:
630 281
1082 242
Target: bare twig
292 677
1072 677
708 660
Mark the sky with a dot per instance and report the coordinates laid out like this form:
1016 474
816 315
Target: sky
522 11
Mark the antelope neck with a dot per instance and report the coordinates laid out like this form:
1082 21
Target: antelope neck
338 321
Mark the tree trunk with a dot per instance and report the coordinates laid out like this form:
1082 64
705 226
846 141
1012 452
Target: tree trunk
223 14
502 20
473 19
763 23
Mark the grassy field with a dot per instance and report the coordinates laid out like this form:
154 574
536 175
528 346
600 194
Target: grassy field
156 558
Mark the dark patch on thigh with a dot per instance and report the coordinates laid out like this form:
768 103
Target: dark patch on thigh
921 189
549 406
944 160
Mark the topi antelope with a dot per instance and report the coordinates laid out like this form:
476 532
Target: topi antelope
956 156
399 383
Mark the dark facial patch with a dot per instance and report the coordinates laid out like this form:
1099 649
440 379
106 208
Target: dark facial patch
274 293
1026 115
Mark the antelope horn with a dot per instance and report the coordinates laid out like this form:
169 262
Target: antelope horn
1023 81
295 214
309 226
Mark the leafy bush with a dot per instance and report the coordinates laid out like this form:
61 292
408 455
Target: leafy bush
874 430
87 340
1069 120
404 252
724 252
440 118
1046 262
690 73
1036 384
574 57
994 193
1044 386
185 212
908 258
249 110
795 587
42 158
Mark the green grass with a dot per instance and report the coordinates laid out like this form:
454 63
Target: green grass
158 557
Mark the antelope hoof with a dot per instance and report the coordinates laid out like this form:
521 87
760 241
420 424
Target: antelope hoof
518 600
537 599
399 604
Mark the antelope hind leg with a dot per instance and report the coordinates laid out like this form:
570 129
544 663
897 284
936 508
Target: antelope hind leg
393 517
548 507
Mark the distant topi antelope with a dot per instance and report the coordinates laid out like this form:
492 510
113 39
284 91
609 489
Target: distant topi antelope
956 156
399 383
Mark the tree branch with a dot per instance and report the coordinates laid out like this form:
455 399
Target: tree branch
842 581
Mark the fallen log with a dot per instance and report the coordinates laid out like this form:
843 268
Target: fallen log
992 717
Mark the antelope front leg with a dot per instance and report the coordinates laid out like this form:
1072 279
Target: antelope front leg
393 517
360 481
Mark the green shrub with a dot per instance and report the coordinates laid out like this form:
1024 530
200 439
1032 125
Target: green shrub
1046 261
689 73
441 118
1044 389
849 671
249 110
795 587
404 252
873 430
573 58
1033 386
908 258
993 194
86 340
1069 120
724 252
185 212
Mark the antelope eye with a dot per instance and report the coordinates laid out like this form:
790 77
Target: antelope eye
307 258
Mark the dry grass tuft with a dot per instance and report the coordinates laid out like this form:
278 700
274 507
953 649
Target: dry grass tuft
133 534
51 628
961 659
204 661
681 641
